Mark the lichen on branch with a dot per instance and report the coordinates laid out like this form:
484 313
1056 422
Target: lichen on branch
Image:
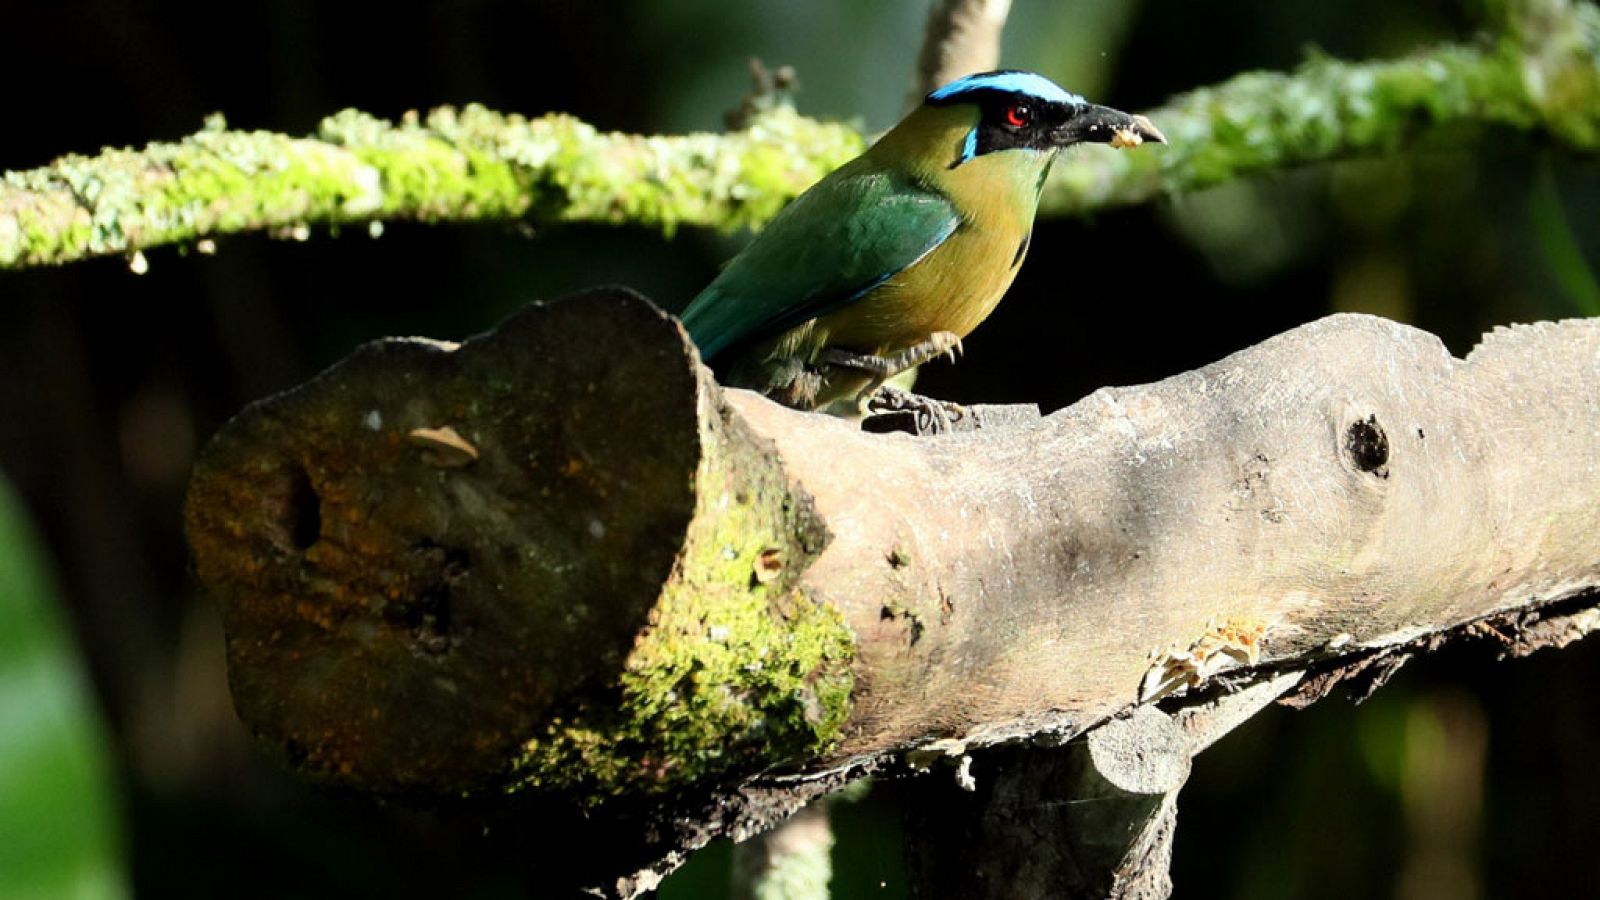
1540 74
471 164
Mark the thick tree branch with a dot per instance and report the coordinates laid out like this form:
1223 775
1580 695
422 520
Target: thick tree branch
1542 77
610 583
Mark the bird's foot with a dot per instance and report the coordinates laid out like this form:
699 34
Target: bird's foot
891 409
883 368
940 343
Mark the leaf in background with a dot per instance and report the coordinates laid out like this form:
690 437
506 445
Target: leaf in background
58 814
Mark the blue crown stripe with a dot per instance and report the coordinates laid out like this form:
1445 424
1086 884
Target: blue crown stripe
1010 81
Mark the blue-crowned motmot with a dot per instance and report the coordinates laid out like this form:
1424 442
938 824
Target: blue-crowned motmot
892 259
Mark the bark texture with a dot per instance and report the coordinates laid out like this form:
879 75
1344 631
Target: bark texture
634 593
961 37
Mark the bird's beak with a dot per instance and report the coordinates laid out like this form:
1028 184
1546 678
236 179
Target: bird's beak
1104 125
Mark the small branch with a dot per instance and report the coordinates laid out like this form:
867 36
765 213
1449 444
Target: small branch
792 861
961 37
1086 821
476 165
1051 822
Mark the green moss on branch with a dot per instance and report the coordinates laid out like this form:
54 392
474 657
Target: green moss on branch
739 670
468 164
1541 75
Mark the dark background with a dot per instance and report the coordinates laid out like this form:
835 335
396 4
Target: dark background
1463 778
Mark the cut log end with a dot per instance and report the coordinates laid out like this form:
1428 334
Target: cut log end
547 558
404 614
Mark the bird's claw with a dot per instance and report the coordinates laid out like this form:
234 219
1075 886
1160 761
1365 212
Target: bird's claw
940 343
928 415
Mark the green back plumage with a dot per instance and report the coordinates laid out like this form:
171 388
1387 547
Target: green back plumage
903 251
845 236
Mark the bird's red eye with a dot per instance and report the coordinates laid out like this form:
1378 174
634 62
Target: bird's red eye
1019 115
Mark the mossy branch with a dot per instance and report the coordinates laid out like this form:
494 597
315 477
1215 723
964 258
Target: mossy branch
454 165
1542 76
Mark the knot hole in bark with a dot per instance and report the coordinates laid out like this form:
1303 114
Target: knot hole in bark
1368 446
299 518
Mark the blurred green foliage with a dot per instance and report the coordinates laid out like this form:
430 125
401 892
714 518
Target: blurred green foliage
1561 245
59 821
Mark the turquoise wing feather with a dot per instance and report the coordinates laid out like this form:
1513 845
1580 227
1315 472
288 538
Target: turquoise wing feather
849 233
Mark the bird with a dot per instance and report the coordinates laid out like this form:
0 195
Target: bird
892 259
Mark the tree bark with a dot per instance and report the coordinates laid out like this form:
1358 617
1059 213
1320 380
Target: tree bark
558 560
961 37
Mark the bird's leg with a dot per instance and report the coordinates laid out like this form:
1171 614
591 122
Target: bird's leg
883 368
931 416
